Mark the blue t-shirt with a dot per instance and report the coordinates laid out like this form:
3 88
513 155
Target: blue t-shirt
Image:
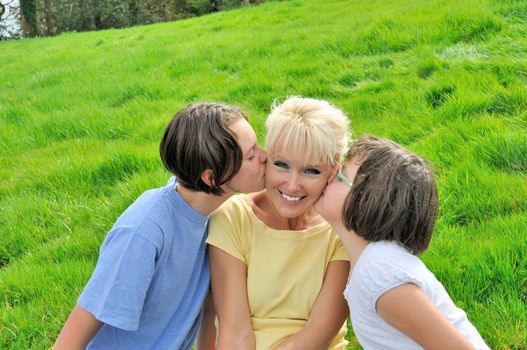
152 276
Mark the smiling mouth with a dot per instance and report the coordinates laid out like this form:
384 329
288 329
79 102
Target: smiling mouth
291 198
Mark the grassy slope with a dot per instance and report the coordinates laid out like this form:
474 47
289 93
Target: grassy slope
81 116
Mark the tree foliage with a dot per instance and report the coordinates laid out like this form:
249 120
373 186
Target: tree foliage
28 12
51 17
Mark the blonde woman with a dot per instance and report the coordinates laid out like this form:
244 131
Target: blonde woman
278 269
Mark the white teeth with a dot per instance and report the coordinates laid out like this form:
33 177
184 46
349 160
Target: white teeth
289 198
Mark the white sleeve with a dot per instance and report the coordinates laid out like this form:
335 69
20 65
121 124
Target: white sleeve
378 276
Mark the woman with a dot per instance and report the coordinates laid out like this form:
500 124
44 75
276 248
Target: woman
278 270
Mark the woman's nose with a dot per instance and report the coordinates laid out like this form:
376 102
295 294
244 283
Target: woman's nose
293 183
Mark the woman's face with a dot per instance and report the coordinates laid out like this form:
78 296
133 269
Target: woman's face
293 185
332 200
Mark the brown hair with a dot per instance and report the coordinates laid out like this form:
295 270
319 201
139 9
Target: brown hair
198 138
393 197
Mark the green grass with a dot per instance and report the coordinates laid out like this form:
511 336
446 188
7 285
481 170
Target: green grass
81 116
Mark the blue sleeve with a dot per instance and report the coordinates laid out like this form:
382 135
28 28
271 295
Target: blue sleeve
171 181
116 291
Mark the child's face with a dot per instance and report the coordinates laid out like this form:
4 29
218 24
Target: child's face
332 200
251 176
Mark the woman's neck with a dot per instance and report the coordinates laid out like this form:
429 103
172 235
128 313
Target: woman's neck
302 222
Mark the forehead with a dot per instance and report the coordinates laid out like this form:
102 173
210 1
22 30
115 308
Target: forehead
350 167
300 158
245 134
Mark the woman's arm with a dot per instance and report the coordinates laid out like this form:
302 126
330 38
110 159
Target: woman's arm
206 339
78 330
328 314
409 310
229 288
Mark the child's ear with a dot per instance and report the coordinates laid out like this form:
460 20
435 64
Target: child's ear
207 177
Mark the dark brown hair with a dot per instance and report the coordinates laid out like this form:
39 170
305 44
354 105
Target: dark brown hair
199 138
393 197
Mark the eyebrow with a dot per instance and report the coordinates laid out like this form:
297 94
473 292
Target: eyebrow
280 156
314 165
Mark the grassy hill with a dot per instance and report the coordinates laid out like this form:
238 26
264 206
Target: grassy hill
81 116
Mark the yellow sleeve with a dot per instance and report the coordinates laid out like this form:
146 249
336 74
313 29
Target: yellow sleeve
339 252
226 230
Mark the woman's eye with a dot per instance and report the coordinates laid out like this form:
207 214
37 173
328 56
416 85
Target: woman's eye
312 171
280 164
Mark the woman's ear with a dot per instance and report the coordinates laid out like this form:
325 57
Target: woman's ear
334 172
207 176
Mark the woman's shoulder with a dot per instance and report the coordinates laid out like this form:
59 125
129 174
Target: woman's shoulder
234 214
239 203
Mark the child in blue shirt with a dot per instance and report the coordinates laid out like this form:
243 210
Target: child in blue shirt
152 276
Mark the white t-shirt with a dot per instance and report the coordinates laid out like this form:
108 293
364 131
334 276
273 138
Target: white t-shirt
382 267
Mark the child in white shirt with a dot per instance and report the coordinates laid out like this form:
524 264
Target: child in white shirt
383 204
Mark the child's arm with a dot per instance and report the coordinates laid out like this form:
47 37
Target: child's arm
78 330
229 287
328 314
206 338
409 310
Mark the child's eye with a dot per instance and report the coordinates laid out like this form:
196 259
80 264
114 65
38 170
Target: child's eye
252 153
312 171
280 164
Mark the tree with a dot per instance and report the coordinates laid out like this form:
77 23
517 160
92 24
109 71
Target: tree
9 19
48 17
51 17
28 11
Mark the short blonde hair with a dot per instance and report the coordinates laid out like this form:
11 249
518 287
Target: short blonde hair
307 127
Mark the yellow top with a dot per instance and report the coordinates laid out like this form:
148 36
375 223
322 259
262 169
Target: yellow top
285 269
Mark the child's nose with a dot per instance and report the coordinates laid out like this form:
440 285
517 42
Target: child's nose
262 156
